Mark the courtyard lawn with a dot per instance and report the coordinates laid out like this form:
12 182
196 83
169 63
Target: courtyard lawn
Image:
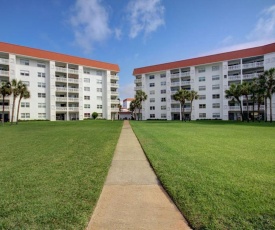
220 174
52 173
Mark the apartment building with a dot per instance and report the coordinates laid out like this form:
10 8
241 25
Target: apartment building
210 76
62 87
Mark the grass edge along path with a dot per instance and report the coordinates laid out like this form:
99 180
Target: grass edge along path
220 174
52 173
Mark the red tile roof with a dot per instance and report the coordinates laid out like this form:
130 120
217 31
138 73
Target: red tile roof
43 54
129 99
256 51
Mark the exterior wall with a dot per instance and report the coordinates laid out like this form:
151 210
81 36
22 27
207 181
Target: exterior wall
209 80
64 86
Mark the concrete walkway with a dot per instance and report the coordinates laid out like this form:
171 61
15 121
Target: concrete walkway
132 197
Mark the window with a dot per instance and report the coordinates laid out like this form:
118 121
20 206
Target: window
152 99
202 106
87 106
216 115
163 107
41 65
87 80
99 106
41 95
163 115
41 115
25 115
202 115
163 99
99 81
163 91
99 73
25 104
26 83
41 105
163 75
87 115
151 77
201 78
202 97
86 71
163 83
216 96
152 107
152 92
215 68
202 88
216 105
215 86
152 115
24 73
215 78
41 84
86 97
39 74
152 84
99 98
99 90
201 70
24 62
86 88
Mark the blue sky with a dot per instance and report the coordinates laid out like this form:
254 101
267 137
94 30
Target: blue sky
136 33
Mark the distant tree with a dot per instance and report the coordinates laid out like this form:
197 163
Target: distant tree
140 97
5 91
245 91
193 95
133 107
270 87
23 93
182 95
94 115
15 89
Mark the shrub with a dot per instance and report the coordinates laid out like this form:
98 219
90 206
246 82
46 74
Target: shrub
94 115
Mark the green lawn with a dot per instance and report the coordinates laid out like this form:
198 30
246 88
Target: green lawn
220 174
52 173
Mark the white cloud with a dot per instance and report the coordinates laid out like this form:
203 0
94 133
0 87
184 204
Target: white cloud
265 26
145 16
90 23
118 33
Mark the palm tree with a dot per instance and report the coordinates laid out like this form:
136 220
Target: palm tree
140 97
182 95
133 106
253 91
193 95
5 91
15 89
270 87
23 93
245 90
262 83
234 92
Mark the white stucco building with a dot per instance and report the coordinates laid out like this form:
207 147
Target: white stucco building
62 87
210 76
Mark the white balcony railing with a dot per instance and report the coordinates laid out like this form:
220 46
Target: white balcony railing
61 98
61 79
73 71
173 91
73 108
73 99
179 109
73 89
115 85
234 108
115 77
234 77
59 108
175 75
253 65
174 101
6 108
61 69
138 80
175 83
185 74
73 80
61 89
250 108
114 109
185 83
4 61
114 92
4 73
138 88
234 67
251 76
115 102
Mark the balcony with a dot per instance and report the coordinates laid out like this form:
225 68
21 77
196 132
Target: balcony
175 83
138 88
73 108
185 74
179 109
114 85
114 77
173 92
185 83
250 108
61 89
234 77
234 67
61 98
73 71
73 89
4 73
253 65
114 92
114 109
251 76
61 79
4 61
73 99
60 69
175 75
59 108
138 80
115 102
6 108
73 80
174 101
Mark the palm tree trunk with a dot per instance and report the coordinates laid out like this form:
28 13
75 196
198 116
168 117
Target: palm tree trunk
18 107
253 108
247 110
138 114
241 108
259 104
270 109
265 109
3 110
12 114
